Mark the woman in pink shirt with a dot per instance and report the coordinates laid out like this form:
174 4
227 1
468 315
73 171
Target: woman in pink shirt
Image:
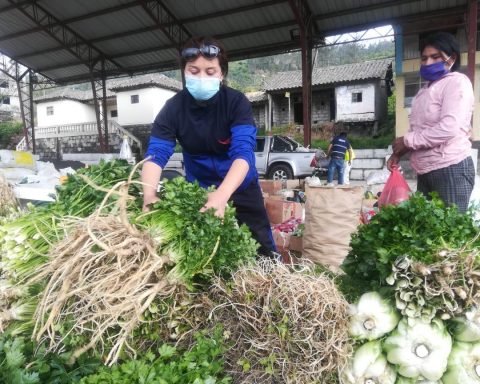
438 139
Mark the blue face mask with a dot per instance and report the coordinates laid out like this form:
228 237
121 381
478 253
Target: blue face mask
434 71
202 88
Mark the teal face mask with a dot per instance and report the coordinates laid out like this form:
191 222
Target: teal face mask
202 88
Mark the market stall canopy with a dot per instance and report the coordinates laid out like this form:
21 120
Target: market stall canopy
64 40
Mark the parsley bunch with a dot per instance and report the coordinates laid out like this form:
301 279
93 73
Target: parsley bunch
417 228
203 364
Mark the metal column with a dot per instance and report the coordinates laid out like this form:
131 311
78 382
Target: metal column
304 18
99 91
472 20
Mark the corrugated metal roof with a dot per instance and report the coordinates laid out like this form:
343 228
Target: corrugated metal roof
56 37
375 69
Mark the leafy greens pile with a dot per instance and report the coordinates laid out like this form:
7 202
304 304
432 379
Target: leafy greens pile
200 243
417 228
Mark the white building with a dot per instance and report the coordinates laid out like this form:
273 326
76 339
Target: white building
9 101
351 93
132 101
140 98
65 106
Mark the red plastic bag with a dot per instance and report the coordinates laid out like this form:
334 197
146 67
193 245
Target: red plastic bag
395 191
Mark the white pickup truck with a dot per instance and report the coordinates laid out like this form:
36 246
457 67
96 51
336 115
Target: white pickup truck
276 157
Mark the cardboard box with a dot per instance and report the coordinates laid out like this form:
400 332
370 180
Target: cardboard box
279 211
271 186
295 243
294 184
281 239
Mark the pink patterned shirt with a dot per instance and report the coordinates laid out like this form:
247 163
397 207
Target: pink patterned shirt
439 134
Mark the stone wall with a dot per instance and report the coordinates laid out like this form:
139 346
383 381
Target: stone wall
368 160
53 148
142 132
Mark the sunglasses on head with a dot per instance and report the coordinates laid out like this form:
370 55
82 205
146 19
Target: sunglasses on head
207 51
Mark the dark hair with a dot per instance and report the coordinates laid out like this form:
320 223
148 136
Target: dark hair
343 134
198 42
444 42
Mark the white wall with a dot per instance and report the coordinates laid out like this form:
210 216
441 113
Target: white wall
362 111
110 108
64 112
151 100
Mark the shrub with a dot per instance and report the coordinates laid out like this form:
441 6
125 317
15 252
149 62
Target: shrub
8 130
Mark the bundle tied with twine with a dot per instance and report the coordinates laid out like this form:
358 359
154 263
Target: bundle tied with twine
101 279
285 325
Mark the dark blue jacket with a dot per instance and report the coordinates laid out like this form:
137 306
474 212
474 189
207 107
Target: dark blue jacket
212 134
340 146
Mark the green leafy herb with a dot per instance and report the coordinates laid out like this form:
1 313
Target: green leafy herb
417 228
203 364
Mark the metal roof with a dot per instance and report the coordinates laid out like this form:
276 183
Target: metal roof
63 39
375 69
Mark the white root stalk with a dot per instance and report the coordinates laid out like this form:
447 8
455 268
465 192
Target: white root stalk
103 276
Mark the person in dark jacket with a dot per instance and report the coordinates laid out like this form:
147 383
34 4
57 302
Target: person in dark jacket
214 126
337 149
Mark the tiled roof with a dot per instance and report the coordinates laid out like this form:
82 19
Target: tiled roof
66 93
375 69
256 97
114 85
144 81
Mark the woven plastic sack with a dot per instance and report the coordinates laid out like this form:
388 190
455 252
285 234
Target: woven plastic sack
395 191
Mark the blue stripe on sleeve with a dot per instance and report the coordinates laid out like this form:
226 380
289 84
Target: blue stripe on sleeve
160 150
243 144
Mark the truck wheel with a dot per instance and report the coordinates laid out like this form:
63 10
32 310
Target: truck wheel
280 172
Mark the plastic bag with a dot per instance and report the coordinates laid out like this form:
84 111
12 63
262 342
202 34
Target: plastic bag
125 150
378 177
16 159
395 191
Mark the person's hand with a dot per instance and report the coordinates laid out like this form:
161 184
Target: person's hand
147 201
217 201
392 162
399 146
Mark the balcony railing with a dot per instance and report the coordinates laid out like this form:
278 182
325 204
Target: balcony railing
80 129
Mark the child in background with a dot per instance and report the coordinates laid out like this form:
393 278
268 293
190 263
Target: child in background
349 157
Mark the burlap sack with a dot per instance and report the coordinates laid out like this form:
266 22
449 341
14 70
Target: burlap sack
331 216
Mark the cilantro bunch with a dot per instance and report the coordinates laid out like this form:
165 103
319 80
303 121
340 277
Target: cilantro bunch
200 243
77 198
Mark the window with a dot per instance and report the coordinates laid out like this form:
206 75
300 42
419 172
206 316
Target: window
3 84
356 97
260 144
134 99
5 100
113 113
413 83
50 111
283 144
